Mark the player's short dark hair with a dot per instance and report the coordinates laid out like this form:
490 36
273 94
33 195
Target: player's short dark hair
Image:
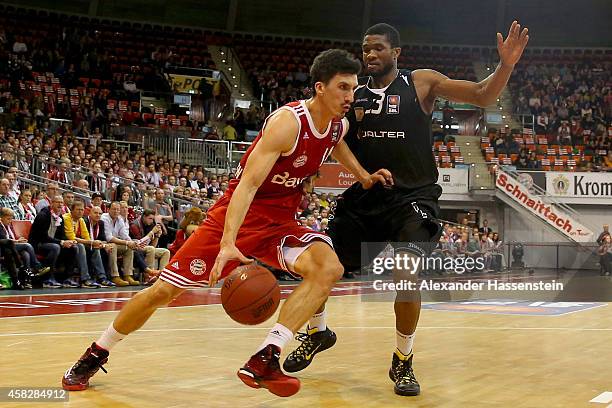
388 31
147 212
332 62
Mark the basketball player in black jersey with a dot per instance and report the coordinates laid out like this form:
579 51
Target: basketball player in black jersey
390 127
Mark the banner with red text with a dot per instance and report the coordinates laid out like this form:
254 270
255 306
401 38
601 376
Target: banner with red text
553 215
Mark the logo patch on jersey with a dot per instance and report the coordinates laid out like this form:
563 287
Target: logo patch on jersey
197 267
300 161
285 180
335 132
306 136
359 113
393 102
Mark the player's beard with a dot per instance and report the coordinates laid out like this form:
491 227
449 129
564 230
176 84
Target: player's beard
384 70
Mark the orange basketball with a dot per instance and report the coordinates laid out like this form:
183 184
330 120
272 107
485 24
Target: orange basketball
250 294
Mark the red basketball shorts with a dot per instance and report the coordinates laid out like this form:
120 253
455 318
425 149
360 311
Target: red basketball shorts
275 242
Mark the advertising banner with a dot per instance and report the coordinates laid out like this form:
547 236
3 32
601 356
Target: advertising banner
334 175
591 188
549 213
453 180
187 83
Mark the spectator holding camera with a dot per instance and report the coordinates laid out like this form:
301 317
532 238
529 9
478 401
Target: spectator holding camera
147 232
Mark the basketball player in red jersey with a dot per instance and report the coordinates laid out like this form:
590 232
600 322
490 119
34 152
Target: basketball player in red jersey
256 217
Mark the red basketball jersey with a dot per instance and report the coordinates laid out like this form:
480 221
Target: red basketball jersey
282 189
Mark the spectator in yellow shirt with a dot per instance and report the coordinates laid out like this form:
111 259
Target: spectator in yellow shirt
229 132
608 160
75 229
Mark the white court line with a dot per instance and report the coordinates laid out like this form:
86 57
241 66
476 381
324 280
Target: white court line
141 289
99 311
492 312
70 293
204 329
603 398
118 310
282 300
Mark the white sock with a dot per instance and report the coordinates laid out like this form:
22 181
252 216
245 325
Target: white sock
404 343
279 336
317 321
109 338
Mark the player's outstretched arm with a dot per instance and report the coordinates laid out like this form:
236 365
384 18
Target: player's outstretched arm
485 92
343 154
278 136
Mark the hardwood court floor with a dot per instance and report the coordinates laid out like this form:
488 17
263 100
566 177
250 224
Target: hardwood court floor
188 357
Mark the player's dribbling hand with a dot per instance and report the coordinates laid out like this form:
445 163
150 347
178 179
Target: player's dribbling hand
227 253
382 176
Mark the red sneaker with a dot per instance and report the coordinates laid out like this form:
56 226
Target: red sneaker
77 377
263 370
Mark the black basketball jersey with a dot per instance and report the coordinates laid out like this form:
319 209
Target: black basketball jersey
388 129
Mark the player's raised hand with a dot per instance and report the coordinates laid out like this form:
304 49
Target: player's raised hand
511 49
382 176
227 253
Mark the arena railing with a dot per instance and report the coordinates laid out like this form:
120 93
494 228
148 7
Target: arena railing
42 166
29 179
554 256
499 120
117 144
547 198
180 145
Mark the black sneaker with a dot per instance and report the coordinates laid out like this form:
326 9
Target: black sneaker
77 377
313 342
402 375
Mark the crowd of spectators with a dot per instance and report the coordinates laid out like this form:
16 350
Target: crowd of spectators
51 179
572 103
70 174
465 241
541 152
71 57
79 244
572 106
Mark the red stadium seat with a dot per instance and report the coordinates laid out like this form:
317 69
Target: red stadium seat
22 228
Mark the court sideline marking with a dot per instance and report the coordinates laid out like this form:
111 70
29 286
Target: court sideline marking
203 329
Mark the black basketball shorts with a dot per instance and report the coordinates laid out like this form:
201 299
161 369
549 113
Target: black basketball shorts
380 215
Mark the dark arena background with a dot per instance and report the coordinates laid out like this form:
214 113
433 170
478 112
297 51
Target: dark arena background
122 123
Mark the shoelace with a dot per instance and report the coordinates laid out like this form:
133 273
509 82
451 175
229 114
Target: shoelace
88 364
403 372
269 358
305 348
